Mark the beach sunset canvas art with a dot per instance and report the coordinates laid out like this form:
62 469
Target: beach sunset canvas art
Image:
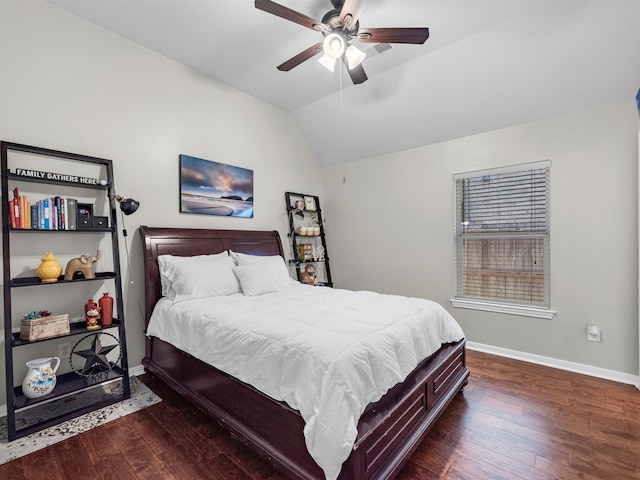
213 188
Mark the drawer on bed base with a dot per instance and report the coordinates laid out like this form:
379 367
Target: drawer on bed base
394 430
444 377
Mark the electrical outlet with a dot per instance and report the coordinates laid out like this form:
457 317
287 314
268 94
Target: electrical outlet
593 333
64 350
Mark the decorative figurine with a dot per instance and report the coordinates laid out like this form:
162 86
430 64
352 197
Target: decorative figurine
82 264
92 315
49 269
309 275
96 364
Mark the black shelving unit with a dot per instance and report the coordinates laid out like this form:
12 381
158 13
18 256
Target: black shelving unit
304 213
115 381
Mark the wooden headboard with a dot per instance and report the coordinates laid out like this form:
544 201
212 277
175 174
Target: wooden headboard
194 241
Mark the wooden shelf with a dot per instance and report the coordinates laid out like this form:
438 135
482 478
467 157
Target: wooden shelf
308 261
63 183
35 281
65 384
57 419
75 328
78 230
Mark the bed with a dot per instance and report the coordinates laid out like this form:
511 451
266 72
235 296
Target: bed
388 431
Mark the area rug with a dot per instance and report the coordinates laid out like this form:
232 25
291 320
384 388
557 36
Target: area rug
141 397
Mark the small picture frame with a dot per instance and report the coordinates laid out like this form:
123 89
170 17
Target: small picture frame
310 204
85 209
305 251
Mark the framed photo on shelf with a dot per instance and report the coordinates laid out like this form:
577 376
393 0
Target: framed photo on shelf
85 209
305 251
310 204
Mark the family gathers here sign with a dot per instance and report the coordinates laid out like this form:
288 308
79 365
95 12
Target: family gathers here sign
55 176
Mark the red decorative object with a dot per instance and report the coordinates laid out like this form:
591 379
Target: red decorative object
92 315
106 310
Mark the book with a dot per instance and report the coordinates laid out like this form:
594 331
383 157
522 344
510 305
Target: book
16 206
47 214
34 217
58 210
40 204
27 213
72 213
63 214
22 202
12 213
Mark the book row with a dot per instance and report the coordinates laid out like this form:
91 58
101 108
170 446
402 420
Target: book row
52 213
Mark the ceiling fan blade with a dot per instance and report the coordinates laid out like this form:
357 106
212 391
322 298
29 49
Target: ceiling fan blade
301 57
356 73
351 10
393 35
286 13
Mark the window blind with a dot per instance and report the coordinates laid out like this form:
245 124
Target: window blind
502 235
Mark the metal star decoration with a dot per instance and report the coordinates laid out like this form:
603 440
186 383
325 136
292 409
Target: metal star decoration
96 357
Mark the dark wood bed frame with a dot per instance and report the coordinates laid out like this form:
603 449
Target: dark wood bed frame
389 431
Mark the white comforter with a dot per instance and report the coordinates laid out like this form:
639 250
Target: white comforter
325 352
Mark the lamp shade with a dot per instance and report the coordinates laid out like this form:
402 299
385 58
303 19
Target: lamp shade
327 62
354 56
127 205
333 45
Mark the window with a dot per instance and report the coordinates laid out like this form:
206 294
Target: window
502 239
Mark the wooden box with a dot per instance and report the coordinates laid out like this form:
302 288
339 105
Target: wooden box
44 327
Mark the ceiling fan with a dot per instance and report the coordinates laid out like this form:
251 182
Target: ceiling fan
339 27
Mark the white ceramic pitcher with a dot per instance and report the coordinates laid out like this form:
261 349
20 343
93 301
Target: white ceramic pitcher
41 377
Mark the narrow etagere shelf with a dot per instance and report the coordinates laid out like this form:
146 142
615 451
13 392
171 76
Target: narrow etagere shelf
304 213
91 388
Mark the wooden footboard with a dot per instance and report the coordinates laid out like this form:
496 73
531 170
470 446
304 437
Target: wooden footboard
389 431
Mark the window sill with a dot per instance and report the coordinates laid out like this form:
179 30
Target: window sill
503 308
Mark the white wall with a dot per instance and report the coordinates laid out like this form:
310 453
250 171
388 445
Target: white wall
390 229
68 85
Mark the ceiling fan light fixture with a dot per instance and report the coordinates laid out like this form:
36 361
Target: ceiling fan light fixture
355 56
334 45
327 62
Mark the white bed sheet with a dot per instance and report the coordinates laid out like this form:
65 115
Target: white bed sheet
326 352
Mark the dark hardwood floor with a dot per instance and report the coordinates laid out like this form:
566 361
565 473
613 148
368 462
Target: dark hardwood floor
513 421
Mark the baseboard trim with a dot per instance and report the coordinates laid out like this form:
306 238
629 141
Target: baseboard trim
133 372
559 364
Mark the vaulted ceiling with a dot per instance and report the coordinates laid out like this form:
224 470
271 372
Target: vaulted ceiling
487 64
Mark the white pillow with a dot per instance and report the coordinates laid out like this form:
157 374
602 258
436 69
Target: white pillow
204 279
246 259
263 277
166 264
